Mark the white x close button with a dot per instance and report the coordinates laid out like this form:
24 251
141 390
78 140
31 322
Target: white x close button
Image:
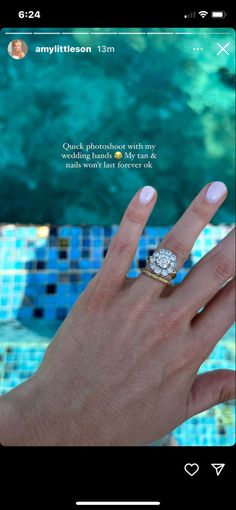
222 48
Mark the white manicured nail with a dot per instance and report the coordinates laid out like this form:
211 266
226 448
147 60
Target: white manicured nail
215 192
146 195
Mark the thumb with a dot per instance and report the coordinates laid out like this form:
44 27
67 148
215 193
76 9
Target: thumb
210 389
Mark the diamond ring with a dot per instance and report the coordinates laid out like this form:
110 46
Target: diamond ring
160 264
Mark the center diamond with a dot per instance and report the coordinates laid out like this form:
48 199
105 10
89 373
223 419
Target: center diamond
163 262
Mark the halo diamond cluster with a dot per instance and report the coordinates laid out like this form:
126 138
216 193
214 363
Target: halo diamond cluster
162 262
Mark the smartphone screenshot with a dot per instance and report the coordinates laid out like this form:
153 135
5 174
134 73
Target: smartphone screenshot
117 177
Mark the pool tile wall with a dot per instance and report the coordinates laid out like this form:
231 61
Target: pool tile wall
43 269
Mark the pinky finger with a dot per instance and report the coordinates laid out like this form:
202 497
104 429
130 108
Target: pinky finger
216 318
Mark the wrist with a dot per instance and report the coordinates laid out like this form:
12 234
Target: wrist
14 429
6 419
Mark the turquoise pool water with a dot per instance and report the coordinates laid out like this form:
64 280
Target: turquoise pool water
151 90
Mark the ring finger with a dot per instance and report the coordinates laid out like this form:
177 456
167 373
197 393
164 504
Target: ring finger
183 235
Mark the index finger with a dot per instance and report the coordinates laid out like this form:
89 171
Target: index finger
124 244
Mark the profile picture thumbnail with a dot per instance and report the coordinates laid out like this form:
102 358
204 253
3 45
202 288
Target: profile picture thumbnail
17 49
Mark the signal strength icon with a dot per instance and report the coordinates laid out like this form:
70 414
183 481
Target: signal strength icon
190 15
203 14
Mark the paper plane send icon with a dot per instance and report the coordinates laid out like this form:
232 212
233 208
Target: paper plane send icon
218 468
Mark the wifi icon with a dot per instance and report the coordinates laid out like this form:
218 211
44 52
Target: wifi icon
203 14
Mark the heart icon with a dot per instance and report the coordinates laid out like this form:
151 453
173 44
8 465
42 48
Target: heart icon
191 469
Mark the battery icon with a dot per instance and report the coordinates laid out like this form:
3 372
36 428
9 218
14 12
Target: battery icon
218 14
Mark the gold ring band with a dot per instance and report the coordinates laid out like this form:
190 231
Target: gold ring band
156 277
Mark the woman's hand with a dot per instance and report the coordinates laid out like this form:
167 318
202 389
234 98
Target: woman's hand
122 369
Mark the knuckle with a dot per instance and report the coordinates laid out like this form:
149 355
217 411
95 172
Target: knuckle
199 212
222 394
134 216
120 245
179 248
222 267
96 301
96 295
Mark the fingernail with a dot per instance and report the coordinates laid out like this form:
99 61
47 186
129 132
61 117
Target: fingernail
215 191
146 195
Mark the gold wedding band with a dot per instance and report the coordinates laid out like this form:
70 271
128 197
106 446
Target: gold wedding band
156 277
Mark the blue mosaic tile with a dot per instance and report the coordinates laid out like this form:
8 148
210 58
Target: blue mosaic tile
52 241
52 277
75 242
61 313
63 266
25 313
50 313
52 264
29 265
188 263
75 254
65 231
41 243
